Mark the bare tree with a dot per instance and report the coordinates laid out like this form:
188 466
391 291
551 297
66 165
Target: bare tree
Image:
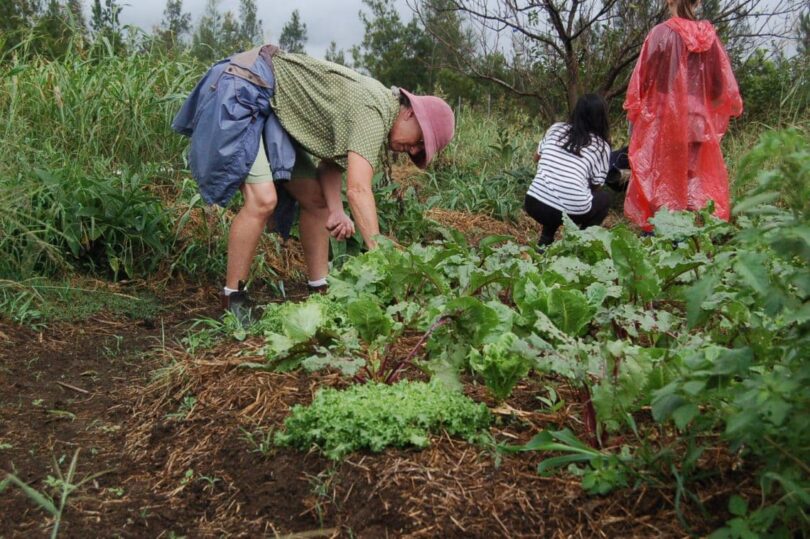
556 49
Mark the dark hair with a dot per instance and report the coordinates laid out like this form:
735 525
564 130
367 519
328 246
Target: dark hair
589 118
685 9
404 100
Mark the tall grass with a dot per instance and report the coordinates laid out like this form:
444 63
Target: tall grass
488 165
86 147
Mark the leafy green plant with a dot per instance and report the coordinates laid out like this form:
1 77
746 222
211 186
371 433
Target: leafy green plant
376 416
604 471
501 365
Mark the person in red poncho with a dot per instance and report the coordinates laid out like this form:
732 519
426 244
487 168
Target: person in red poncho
679 101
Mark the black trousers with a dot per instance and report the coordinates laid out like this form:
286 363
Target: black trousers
551 218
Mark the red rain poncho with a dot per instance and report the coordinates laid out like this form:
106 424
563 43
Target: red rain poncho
681 96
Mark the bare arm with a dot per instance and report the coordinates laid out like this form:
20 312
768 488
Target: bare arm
536 157
361 198
331 179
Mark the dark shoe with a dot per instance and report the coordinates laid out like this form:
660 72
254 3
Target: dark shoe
545 241
239 304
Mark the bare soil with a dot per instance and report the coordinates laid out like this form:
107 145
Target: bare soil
177 441
114 389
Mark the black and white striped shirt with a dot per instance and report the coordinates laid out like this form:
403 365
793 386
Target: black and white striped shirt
563 179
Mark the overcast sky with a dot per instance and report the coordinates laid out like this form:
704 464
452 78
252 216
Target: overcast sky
326 20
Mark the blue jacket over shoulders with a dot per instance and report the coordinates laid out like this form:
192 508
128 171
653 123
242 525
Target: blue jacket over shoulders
226 115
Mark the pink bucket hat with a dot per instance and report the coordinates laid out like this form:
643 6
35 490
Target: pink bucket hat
438 124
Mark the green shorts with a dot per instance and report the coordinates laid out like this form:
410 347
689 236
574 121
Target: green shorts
260 171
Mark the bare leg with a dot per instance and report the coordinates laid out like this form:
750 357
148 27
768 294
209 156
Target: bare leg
246 229
314 235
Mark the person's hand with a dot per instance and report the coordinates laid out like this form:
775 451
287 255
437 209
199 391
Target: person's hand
339 225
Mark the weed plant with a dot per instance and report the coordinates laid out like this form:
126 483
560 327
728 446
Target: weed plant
85 153
488 165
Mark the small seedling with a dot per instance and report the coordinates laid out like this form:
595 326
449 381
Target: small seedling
62 484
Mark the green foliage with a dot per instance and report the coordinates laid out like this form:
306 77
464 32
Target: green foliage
294 34
101 210
106 25
38 302
107 224
604 471
501 365
750 376
219 35
391 50
63 485
773 86
487 166
377 416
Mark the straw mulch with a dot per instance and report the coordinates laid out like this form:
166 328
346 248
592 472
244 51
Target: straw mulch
452 489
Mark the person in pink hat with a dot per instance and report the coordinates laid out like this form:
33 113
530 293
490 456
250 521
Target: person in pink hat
278 126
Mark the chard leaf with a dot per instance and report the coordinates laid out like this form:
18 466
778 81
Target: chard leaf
366 315
636 272
570 311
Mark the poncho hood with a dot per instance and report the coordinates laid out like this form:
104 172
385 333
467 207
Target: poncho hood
698 36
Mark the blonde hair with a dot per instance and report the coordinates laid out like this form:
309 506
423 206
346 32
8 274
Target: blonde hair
685 9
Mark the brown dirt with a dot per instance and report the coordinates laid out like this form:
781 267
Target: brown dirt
94 387
175 440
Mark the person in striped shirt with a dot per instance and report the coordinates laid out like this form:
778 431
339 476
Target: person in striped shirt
572 163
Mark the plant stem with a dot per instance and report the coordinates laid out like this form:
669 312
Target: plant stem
436 325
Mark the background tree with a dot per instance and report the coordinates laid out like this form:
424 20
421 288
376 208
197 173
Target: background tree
175 26
803 33
333 54
230 36
106 25
250 26
16 18
294 34
54 30
205 44
557 49
393 52
444 69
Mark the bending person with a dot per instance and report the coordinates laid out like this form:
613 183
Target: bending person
681 96
572 163
297 108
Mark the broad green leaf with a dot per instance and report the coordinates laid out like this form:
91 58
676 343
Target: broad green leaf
733 361
696 295
501 365
684 415
665 403
635 271
548 465
570 311
596 294
478 321
302 321
754 202
348 366
801 316
571 269
671 225
369 319
753 270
